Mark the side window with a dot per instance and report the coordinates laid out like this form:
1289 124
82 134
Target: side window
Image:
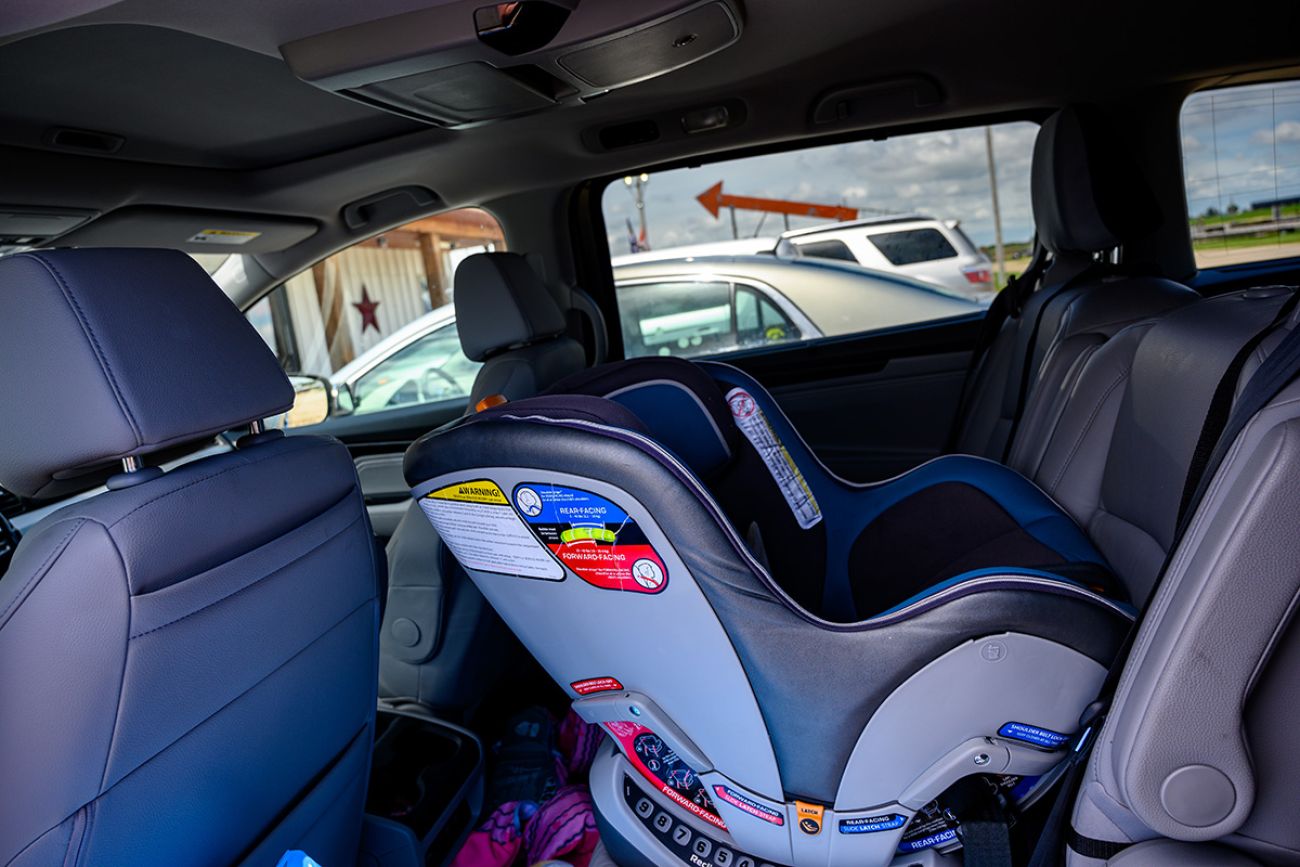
376 319
1241 167
676 317
826 250
917 245
849 238
759 322
431 368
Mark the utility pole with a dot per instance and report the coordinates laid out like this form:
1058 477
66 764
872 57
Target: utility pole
637 187
997 212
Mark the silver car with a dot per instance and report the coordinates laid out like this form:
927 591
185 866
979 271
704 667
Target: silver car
683 307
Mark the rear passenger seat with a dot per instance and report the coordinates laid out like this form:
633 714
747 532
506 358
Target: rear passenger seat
1089 199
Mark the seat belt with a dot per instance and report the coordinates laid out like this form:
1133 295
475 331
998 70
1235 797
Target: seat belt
1007 304
1219 431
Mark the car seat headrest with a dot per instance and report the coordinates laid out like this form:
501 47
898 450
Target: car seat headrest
681 406
502 303
109 353
1088 192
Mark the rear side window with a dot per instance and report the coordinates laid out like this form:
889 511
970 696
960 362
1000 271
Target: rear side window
834 240
911 247
826 250
1241 166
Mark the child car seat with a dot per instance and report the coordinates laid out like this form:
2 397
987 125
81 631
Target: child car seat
786 682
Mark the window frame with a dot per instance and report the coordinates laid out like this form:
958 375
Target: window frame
588 227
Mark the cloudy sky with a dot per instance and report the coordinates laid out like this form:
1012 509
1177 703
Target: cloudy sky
1241 146
941 174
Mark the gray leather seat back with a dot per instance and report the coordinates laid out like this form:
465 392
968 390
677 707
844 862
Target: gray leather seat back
1199 745
442 643
187 660
509 321
1088 197
1120 447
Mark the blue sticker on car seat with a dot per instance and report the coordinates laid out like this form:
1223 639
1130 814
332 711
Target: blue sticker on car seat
297 858
926 842
1036 735
872 824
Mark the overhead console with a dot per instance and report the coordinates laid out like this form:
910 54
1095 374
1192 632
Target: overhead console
469 62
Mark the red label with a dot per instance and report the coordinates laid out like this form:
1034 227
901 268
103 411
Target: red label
626 734
596 684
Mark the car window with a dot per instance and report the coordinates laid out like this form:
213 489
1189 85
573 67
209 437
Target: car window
375 320
843 239
1241 167
910 247
831 249
430 369
676 318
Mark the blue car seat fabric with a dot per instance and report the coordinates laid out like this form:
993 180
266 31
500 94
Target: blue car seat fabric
188 660
861 549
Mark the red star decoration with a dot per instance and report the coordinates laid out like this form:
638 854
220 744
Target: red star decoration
367 309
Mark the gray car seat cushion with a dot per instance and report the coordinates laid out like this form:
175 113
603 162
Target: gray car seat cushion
142 362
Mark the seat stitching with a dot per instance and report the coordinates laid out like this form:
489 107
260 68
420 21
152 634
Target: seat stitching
41 570
203 721
105 367
247 462
1087 428
274 571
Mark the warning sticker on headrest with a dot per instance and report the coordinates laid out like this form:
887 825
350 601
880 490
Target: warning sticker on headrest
754 425
599 541
484 533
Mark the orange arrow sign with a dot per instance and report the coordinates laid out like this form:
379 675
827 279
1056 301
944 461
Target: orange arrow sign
713 199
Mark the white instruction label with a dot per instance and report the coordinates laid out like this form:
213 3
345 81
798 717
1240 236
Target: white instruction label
481 528
754 425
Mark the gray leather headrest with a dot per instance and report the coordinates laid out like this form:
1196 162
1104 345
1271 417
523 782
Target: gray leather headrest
500 303
108 353
1088 192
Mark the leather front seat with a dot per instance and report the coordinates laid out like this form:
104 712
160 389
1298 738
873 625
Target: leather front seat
187 660
443 646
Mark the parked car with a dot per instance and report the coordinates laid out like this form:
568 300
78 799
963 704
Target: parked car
683 307
935 251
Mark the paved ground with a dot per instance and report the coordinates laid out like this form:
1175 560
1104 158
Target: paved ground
1211 258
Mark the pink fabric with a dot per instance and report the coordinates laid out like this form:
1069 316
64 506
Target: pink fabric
519 834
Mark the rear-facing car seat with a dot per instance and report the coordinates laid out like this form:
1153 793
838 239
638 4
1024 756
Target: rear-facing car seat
853 713
442 645
609 533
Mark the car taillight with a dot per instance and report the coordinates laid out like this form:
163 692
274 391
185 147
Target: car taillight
978 274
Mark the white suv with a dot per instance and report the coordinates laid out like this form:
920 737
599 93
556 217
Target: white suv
936 251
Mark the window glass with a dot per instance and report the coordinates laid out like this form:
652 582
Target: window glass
1241 166
908 248
759 322
676 318
826 250
376 319
850 238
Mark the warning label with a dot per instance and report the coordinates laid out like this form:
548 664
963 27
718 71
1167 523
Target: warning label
484 533
599 541
754 425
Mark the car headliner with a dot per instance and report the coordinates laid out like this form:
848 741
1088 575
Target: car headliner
213 118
